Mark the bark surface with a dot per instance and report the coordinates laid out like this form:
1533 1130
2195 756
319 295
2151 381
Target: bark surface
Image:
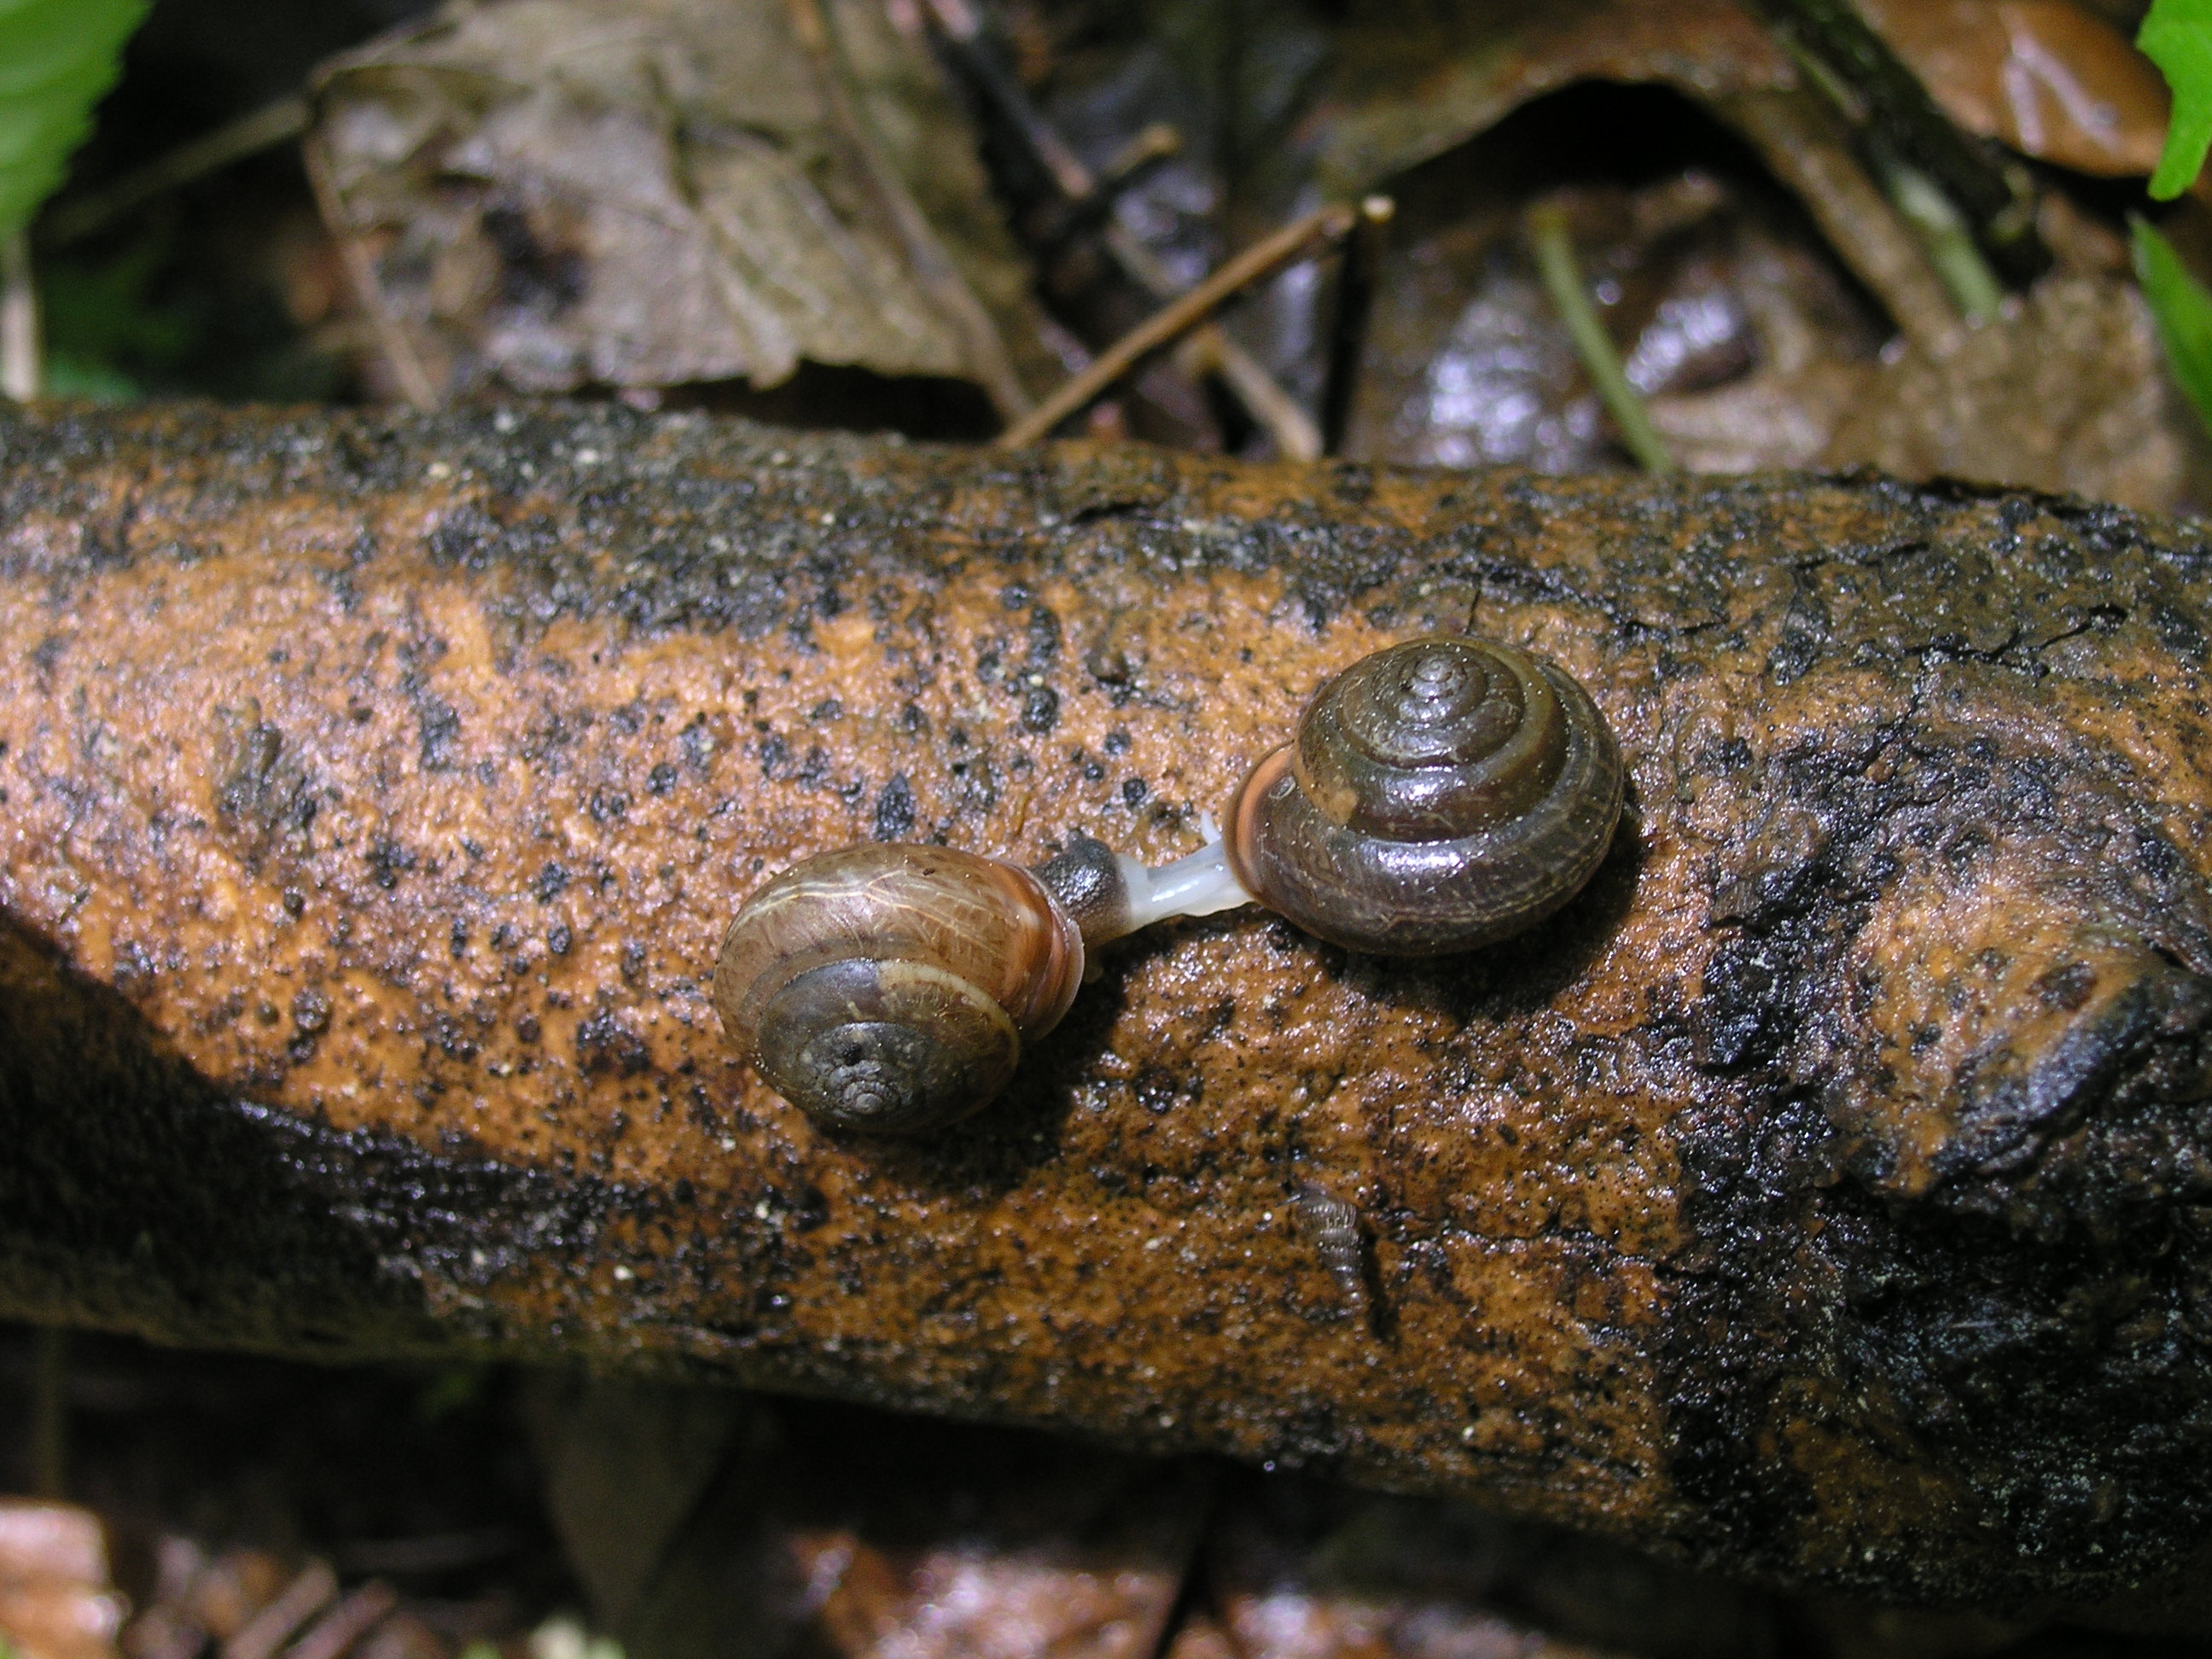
1826 1192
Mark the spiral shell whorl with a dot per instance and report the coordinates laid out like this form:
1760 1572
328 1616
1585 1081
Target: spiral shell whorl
1441 795
1433 740
890 987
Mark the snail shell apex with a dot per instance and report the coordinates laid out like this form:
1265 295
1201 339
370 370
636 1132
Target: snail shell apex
1440 795
891 988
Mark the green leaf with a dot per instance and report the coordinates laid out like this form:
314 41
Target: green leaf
2181 310
105 310
92 383
454 1387
2177 36
56 58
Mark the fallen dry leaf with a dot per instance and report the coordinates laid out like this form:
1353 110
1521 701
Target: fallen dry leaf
2066 393
548 194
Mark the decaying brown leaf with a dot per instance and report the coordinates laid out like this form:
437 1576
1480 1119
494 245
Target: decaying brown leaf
2068 393
1412 82
546 194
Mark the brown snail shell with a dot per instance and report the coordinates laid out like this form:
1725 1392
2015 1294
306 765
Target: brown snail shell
889 987
1440 795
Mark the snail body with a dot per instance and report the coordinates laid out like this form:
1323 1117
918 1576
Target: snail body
1440 795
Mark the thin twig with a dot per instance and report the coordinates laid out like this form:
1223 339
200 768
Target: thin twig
276 1623
50 1412
1355 299
1562 281
1802 139
1949 242
1136 161
961 24
1194 1513
330 1636
22 369
1296 435
394 344
1179 317
249 134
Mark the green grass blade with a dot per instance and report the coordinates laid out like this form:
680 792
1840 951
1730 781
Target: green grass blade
56 58
2181 309
2177 36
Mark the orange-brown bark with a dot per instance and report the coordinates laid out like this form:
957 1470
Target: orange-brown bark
1821 1193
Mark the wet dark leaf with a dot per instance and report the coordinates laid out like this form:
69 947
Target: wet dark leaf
2044 76
1411 83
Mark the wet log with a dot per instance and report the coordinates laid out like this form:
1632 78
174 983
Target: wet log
1824 1195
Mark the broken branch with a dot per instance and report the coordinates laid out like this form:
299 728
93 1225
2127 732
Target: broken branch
1322 227
1086 199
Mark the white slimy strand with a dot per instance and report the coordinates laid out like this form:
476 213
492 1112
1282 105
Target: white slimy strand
1197 885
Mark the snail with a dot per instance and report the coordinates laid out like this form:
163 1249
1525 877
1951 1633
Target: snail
1439 795
892 988
1332 1225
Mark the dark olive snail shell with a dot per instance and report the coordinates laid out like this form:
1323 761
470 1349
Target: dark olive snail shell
1440 795
888 987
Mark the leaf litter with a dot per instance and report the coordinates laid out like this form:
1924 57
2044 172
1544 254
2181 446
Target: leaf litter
556 196
551 194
